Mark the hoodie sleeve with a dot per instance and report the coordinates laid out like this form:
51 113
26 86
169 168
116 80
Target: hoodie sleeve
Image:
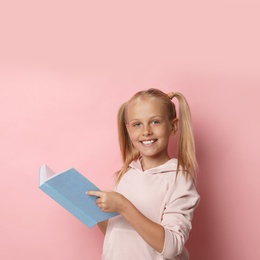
181 200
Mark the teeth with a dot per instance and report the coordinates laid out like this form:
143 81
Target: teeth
148 142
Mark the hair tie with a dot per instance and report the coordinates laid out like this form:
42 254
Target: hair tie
170 95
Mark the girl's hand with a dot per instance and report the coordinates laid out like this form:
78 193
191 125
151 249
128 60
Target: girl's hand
109 201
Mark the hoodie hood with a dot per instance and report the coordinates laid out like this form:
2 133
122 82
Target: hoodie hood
169 166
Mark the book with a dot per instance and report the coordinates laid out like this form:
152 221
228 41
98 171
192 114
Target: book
69 188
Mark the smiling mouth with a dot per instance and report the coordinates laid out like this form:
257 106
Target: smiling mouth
148 142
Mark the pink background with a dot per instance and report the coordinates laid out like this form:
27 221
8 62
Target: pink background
66 66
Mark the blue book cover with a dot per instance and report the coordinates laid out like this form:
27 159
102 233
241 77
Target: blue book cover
69 189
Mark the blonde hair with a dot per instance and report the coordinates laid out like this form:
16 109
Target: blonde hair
186 146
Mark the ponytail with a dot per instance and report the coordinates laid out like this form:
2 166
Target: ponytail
186 146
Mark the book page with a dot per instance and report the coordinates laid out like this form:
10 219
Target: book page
45 174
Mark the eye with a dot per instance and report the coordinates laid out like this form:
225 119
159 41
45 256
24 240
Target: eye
155 122
136 124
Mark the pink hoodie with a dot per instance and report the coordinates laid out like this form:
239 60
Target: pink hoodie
161 198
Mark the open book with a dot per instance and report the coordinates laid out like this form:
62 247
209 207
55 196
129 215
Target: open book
69 189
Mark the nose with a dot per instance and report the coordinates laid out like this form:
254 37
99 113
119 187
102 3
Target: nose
147 130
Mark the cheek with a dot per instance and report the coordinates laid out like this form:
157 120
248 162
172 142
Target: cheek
134 135
130 134
167 132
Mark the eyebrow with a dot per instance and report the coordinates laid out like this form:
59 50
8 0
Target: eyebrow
152 117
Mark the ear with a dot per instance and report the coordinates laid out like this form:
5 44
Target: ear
175 126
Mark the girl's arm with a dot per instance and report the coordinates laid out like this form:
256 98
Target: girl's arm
150 231
103 226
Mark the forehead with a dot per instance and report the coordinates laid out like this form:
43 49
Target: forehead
145 107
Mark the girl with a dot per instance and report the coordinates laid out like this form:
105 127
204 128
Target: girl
155 195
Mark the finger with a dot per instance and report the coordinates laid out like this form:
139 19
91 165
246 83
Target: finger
94 193
100 205
103 207
98 201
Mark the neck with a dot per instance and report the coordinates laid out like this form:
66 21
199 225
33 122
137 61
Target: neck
152 163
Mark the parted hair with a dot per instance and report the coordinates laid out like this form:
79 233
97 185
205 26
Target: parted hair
186 146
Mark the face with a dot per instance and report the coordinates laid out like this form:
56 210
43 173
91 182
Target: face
150 128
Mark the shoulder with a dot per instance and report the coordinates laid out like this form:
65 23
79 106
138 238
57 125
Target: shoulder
179 185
